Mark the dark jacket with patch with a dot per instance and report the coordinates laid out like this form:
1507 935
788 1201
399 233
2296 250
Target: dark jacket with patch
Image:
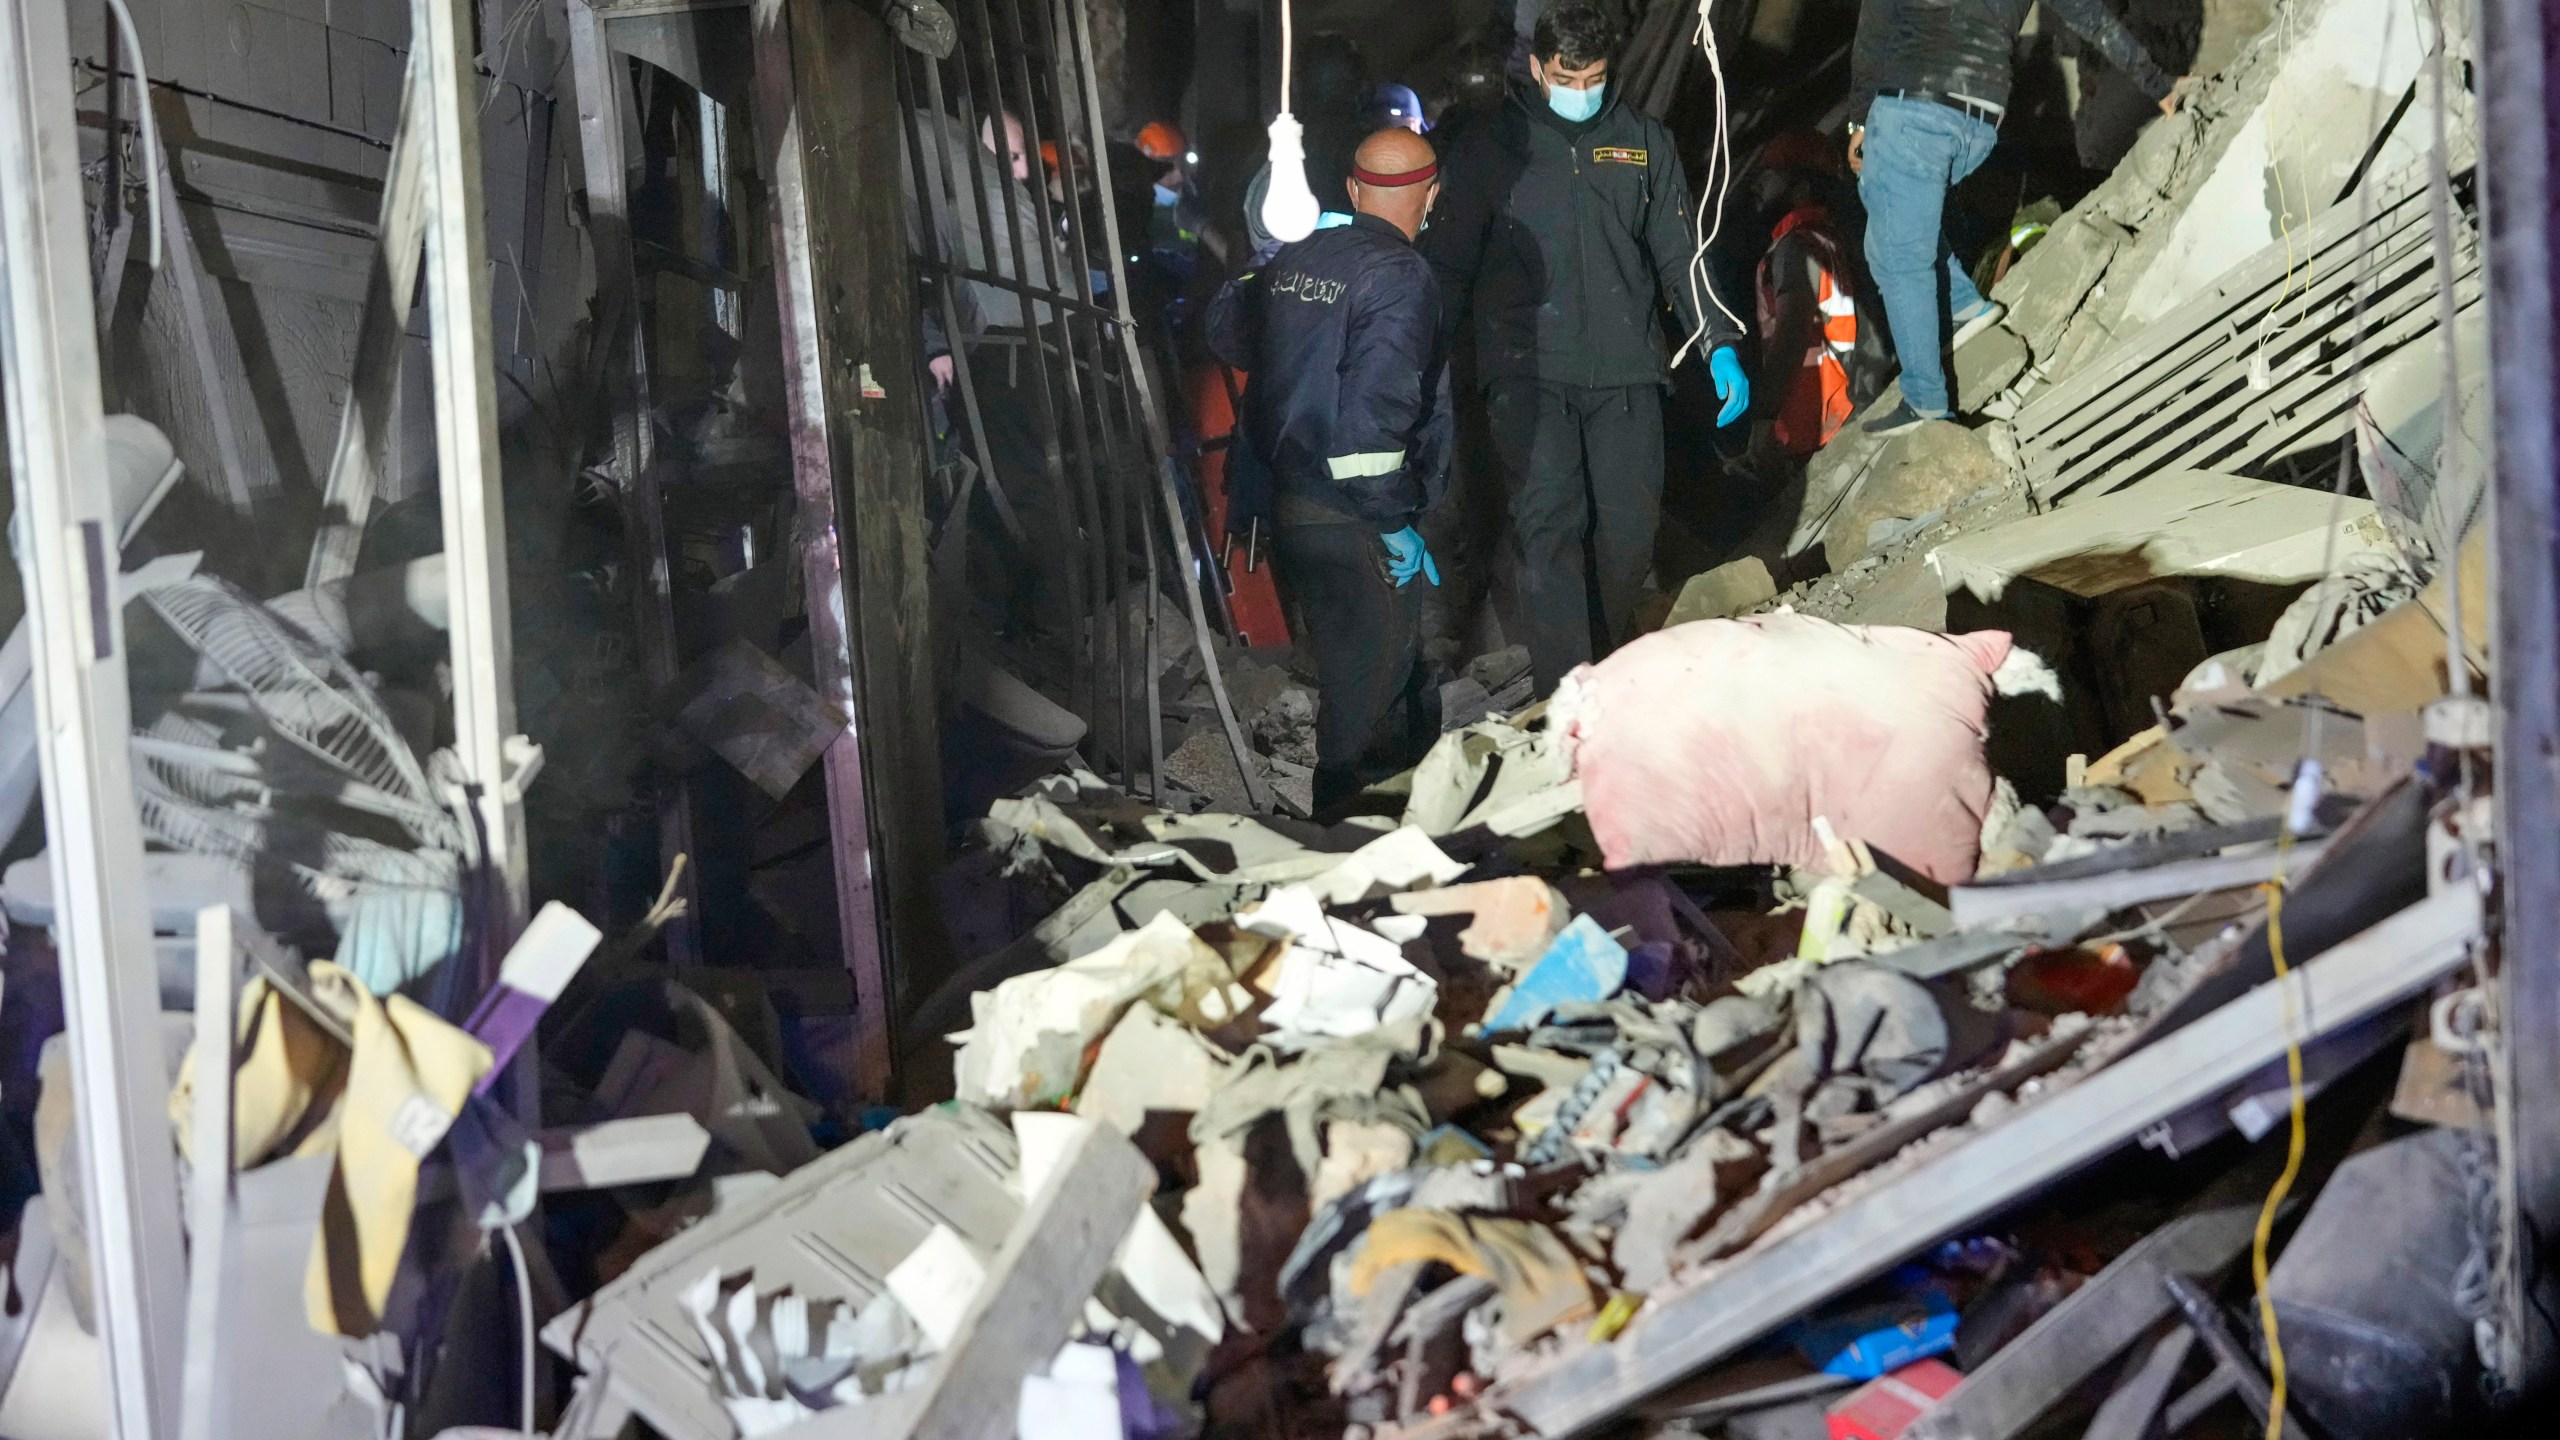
1562 242
1963 47
1346 415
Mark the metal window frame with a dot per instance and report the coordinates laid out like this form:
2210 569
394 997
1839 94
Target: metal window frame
776 118
2518 39
496 761
67 553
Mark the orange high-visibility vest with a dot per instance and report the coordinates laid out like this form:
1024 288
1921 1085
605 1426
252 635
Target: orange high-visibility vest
1817 404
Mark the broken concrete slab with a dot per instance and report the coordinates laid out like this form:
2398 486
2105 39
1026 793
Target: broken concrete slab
2321 87
2182 523
1927 468
1724 592
834 1228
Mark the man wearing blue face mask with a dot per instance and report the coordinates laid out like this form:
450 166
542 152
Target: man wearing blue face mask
1565 230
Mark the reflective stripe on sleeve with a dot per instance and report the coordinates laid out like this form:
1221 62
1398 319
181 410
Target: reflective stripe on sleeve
1367 463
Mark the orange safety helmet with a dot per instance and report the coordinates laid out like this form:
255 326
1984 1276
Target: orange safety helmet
1161 141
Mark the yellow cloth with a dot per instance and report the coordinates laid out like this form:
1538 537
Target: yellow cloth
405 1082
286 1088
1541 1283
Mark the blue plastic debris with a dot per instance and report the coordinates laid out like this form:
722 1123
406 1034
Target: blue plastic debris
1582 965
1863 1341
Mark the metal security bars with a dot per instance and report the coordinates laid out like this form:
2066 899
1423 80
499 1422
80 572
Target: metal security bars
1019 255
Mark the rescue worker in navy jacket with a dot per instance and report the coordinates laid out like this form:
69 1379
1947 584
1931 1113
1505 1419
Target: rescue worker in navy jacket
1346 428
1567 228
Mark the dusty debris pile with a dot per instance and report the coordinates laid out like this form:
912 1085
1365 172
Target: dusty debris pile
1410 1122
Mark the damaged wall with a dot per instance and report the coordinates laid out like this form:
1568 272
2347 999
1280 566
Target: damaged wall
277 120
2267 146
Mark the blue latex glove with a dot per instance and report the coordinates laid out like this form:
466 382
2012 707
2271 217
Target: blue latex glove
1732 386
1407 557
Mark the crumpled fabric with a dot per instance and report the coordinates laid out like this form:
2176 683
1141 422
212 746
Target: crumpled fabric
2366 586
1340 1222
1026 1046
1337 1081
390 935
1540 1281
407 1076
1721 741
1886 1033
284 1088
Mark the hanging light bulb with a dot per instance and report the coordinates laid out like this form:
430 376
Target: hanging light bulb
1288 206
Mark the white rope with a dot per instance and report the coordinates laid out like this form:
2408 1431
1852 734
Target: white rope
152 163
1287 11
1717 182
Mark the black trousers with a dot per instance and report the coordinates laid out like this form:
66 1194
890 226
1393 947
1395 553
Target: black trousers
1583 469
1377 709
1039 589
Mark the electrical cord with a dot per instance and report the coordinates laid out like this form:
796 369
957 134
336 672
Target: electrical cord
524 1317
154 164
2305 793
1716 183
2297 1138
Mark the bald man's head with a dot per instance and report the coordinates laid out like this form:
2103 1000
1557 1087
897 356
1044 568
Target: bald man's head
1016 154
1395 176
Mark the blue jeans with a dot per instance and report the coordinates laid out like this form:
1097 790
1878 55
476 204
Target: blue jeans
1916 151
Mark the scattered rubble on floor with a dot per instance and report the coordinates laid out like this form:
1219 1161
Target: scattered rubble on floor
1443 1117
1711 1047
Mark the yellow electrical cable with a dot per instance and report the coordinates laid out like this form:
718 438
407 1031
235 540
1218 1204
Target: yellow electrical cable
2294 1147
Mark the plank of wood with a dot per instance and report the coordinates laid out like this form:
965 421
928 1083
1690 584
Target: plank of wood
1683 1330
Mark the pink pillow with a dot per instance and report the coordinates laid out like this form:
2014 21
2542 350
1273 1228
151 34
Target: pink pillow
1720 741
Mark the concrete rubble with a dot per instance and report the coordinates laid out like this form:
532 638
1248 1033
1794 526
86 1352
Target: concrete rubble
1831 1014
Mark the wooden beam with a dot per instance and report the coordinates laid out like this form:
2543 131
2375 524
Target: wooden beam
1977 905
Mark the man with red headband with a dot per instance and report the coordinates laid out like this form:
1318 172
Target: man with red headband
1346 425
